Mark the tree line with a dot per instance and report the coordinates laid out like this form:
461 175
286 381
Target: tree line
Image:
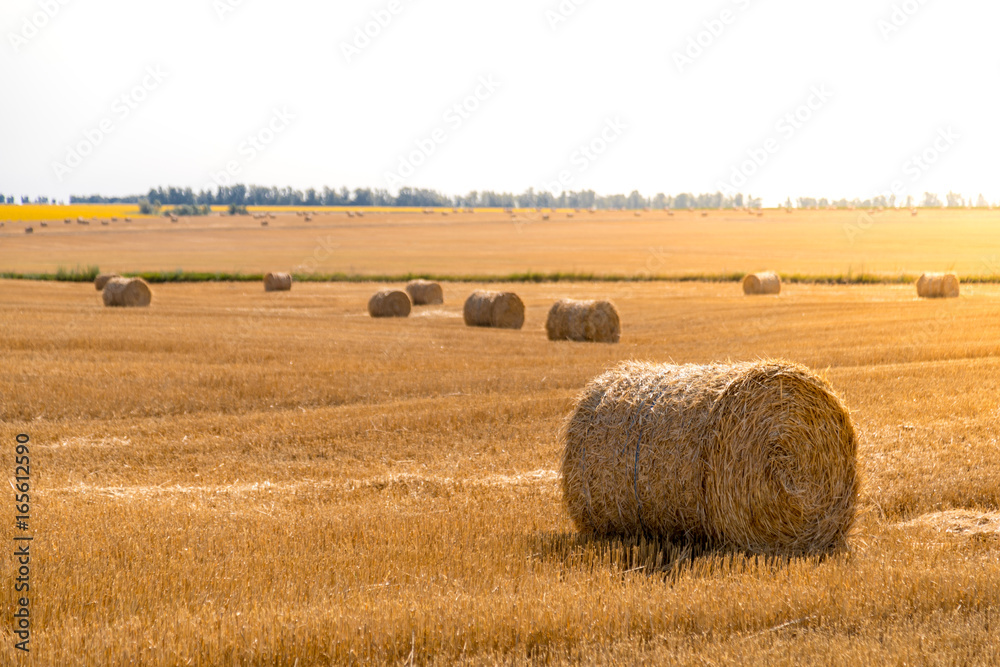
256 195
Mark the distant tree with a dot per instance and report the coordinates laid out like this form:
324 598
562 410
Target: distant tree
954 200
931 200
981 202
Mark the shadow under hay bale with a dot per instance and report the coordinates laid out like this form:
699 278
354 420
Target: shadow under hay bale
755 456
766 282
278 282
102 279
501 310
126 293
583 321
389 303
938 286
425 293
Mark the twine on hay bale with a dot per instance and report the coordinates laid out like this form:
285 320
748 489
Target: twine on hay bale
278 282
102 279
759 456
938 286
126 293
389 303
583 321
501 310
766 282
425 292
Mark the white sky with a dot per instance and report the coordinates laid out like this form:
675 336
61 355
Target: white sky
558 88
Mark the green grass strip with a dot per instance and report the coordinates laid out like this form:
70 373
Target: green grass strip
87 274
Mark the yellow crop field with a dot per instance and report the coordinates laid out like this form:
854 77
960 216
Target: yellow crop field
239 477
52 212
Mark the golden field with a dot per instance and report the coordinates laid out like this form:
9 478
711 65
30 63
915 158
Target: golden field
492 243
233 477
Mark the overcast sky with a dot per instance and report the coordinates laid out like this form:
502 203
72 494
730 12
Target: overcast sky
115 96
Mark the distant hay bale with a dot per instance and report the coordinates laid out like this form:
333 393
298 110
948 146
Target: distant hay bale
102 279
938 286
389 303
766 282
277 282
29 230
425 292
501 310
583 321
760 456
126 293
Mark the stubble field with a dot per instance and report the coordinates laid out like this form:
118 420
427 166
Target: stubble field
234 477
493 243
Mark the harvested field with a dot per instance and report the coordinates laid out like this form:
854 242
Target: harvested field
226 479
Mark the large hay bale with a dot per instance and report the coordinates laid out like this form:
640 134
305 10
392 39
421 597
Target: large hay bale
501 310
766 282
759 456
278 282
425 292
584 321
102 279
938 286
389 303
126 293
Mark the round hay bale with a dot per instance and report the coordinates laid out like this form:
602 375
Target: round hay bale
425 292
501 310
760 456
389 303
767 282
126 293
278 282
938 286
583 321
102 279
